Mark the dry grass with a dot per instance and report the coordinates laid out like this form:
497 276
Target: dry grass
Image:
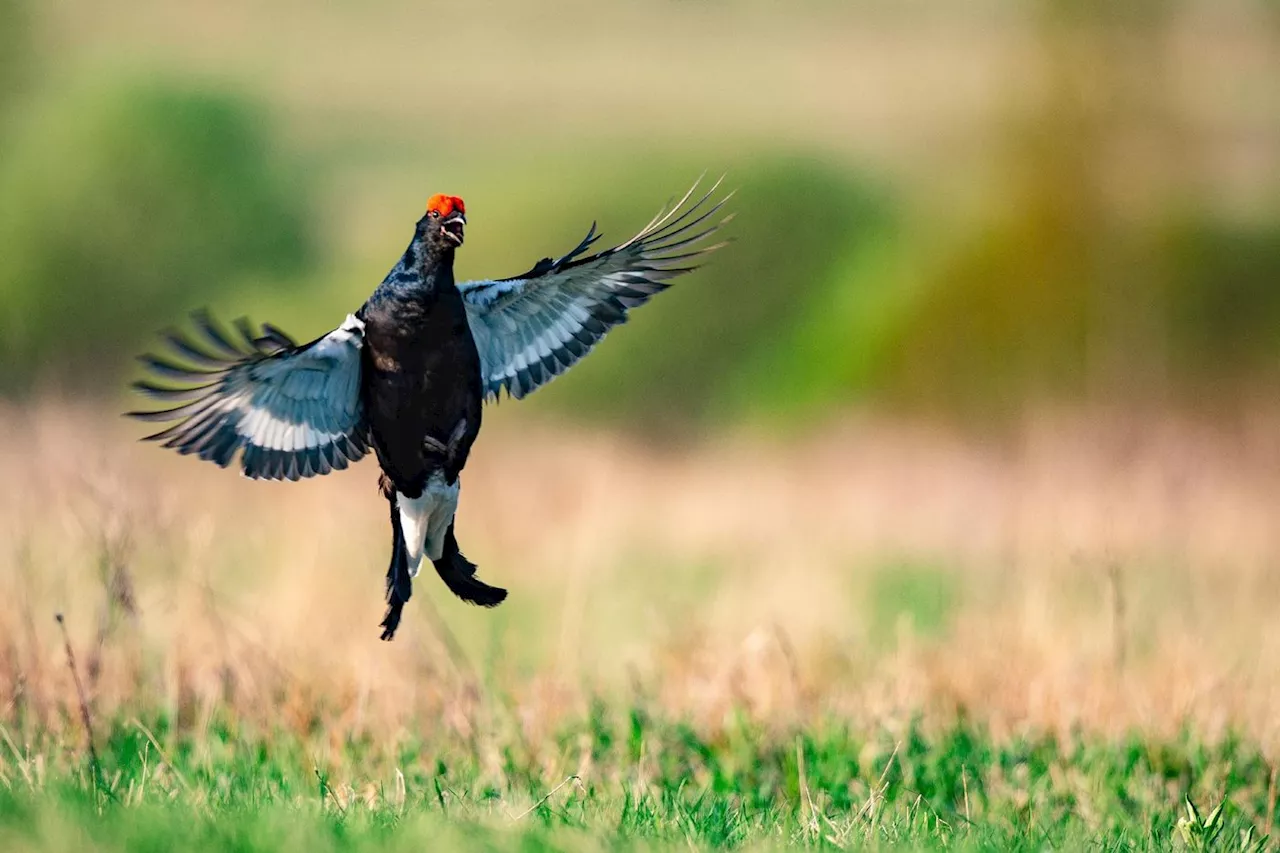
1106 574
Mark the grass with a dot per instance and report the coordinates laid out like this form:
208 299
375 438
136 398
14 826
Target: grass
934 642
620 777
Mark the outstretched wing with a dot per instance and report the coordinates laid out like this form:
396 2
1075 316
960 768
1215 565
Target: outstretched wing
293 410
531 328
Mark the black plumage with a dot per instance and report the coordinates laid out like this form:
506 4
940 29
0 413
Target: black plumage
407 375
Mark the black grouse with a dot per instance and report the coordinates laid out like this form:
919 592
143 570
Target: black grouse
408 373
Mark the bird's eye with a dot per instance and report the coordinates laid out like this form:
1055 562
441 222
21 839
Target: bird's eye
435 214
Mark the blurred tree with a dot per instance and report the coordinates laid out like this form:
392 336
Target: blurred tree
1056 290
121 207
15 54
1224 308
827 349
683 357
1103 266
1104 270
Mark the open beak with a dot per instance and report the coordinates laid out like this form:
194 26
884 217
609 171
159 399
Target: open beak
453 226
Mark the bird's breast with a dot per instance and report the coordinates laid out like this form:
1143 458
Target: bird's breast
422 382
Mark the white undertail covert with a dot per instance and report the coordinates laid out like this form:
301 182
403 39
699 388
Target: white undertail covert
424 520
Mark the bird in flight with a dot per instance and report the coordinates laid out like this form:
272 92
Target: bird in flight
408 373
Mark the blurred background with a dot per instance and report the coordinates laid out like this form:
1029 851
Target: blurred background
977 412
951 209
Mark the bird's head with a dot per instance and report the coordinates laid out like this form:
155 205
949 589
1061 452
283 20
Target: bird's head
441 227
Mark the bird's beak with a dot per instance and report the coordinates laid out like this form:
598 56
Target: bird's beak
453 227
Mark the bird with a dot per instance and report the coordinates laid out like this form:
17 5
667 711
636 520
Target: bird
408 374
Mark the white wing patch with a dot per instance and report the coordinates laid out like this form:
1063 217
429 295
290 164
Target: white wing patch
323 376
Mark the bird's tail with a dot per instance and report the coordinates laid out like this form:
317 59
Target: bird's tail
399 584
459 574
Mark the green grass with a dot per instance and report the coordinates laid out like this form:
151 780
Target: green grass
620 779
919 597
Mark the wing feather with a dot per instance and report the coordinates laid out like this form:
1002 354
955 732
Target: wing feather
291 411
533 327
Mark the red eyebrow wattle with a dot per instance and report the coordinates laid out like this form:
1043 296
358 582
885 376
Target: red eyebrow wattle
445 204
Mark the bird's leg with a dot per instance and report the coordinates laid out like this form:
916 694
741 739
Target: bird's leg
459 574
452 457
399 584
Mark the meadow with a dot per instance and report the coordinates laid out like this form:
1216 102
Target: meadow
938 512
881 635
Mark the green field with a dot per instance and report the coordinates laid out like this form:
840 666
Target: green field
619 777
1047 649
